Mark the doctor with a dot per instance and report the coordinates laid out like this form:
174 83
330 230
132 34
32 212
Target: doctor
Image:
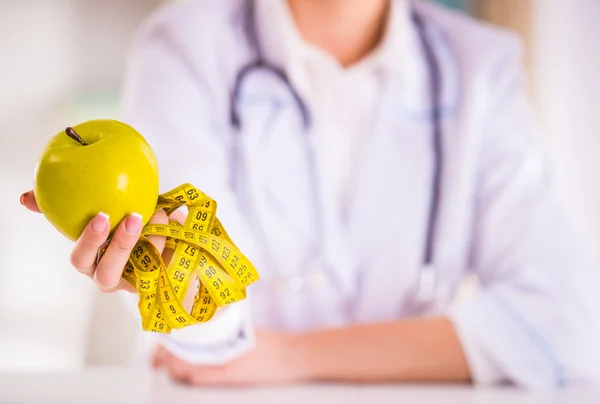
367 156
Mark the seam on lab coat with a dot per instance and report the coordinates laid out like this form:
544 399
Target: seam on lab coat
534 336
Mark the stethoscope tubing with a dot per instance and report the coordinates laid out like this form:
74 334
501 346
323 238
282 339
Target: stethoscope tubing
435 84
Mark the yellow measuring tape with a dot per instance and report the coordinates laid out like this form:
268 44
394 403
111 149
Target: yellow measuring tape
201 247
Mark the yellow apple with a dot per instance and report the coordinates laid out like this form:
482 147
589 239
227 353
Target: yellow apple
97 166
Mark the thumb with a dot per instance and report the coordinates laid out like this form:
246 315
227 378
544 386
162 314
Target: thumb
28 200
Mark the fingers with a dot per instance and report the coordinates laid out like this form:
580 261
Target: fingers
124 285
159 217
186 373
208 376
160 357
110 268
83 257
107 273
179 370
224 375
179 216
28 200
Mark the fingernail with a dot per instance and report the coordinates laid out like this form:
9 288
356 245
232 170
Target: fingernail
100 222
22 199
133 223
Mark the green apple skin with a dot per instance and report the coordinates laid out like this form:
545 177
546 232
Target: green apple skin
115 173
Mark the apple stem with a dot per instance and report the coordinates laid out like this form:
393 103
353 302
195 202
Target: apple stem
73 135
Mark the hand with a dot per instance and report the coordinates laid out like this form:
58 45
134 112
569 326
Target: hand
273 361
106 273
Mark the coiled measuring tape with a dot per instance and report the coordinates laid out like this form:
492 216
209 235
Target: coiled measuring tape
202 248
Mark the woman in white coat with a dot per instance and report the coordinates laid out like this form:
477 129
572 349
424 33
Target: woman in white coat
366 155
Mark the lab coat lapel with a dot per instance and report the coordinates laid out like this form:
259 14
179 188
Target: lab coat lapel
396 169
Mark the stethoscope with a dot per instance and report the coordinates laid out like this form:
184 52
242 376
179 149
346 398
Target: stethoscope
428 274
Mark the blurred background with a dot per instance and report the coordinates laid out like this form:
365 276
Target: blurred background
61 62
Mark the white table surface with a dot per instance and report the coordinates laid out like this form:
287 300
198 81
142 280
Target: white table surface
111 386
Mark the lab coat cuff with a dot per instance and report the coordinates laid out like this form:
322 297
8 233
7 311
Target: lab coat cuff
228 335
503 342
466 319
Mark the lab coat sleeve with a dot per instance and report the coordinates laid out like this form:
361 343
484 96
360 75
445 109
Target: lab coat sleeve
533 324
167 101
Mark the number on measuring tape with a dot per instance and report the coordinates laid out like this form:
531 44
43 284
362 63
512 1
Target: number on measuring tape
202 250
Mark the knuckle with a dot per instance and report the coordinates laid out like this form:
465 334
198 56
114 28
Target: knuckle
106 290
123 244
91 239
88 246
76 262
105 282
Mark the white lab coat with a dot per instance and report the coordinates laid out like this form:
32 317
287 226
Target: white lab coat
499 217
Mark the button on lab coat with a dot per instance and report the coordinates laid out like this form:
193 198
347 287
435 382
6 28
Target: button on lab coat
499 215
